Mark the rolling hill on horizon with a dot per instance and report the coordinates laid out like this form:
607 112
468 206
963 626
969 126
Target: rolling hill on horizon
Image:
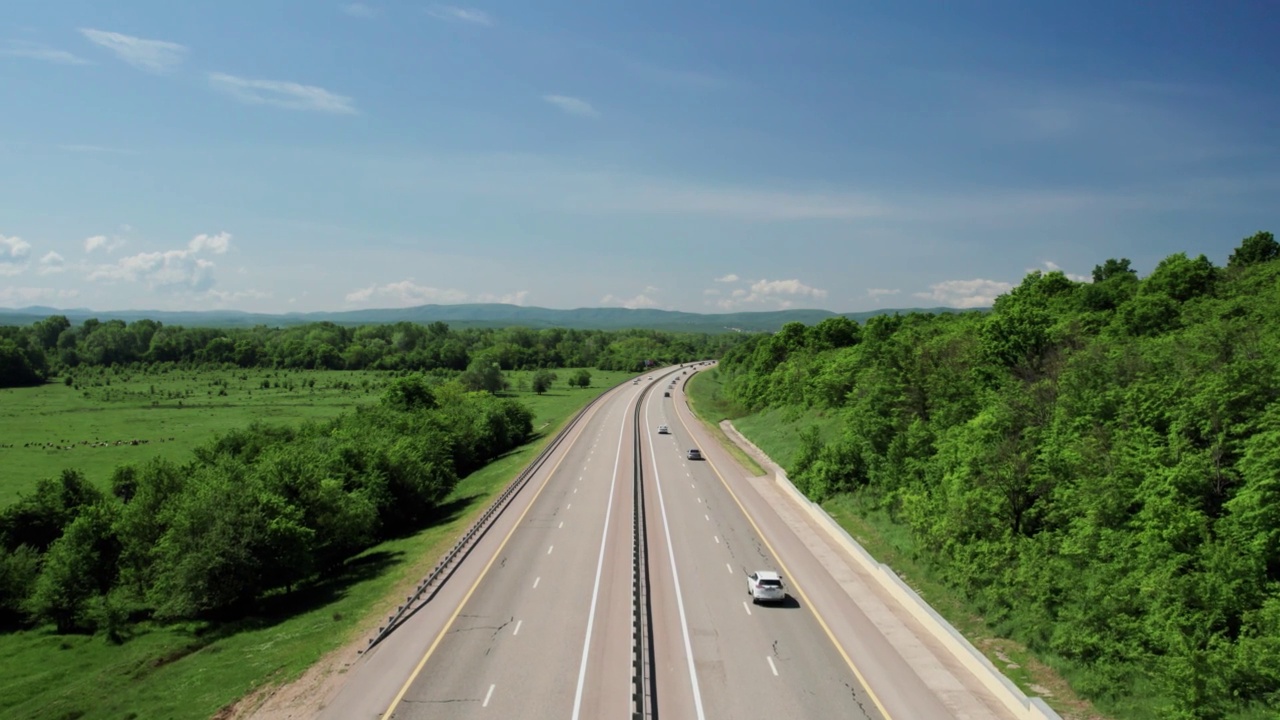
476 315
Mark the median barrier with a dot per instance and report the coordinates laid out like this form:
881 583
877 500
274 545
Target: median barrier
1009 694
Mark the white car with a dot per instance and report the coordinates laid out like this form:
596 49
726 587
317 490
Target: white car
765 586
664 430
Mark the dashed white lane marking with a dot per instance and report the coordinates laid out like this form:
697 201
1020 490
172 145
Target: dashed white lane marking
575 491
728 567
518 624
553 547
490 694
708 517
746 607
717 537
772 667
699 499
561 523
536 581
566 507
693 486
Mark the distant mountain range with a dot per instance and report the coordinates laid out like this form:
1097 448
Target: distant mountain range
475 315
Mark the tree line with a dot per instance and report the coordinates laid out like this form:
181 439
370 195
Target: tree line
30 355
1095 465
256 512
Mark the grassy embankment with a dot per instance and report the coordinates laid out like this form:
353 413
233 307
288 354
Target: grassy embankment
777 433
191 670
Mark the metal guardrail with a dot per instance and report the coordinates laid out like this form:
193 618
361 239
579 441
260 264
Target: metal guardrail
463 547
643 690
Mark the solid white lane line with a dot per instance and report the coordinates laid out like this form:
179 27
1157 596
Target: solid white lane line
675 581
536 581
728 567
490 694
517 630
717 537
746 607
553 547
595 591
772 667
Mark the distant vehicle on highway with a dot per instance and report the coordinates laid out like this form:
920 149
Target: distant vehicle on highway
695 454
666 394
765 586
664 430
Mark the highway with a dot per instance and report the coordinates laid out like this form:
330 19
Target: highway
537 621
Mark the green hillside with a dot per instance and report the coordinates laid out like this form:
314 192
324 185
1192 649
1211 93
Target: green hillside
1093 467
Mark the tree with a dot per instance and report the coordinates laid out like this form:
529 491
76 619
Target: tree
1257 248
542 380
79 566
581 378
15 366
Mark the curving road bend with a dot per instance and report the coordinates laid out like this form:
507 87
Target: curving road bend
536 622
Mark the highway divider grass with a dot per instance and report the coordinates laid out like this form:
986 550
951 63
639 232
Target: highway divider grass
193 670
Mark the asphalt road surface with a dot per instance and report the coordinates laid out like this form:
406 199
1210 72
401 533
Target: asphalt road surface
536 622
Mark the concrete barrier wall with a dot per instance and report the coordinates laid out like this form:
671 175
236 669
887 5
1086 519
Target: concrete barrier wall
1023 707
974 661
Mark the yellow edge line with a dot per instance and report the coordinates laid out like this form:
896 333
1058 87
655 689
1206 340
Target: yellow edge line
823 623
458 611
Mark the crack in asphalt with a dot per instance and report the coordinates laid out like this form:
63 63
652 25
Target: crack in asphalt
853 691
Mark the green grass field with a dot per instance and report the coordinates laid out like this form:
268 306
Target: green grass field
92 426
192 670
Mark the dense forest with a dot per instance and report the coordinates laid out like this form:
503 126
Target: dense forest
1095 465
256 511
31 354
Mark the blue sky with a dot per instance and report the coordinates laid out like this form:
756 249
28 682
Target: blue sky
305 155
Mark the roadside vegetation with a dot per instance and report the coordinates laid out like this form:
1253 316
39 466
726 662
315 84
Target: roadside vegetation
1092 470
179 531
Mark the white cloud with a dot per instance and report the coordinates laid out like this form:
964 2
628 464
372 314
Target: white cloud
154 56
460 14
779 294
52 263
109 244
224 297
14 252
172 270
515 298
641 300
37 51
572 105
290 95
881 292
965 293
406 293
730 278
216 244
1054 267
359 10
23 296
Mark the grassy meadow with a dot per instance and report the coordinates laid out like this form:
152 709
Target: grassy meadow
194 669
